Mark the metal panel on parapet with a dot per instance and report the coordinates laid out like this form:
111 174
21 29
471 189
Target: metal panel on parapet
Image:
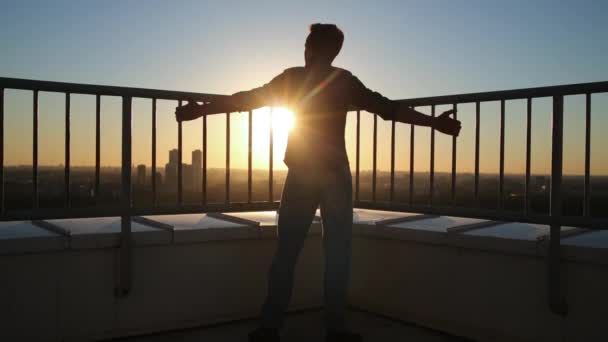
592 246
202 227
368 222
268 220
102 232
430 229
419 227
369 216
511 237
24 237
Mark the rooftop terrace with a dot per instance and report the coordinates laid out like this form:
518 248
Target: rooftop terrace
124 270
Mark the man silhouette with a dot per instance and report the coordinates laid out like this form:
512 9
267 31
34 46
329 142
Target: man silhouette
319 173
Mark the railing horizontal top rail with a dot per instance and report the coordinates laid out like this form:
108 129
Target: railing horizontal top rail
92 89
558 90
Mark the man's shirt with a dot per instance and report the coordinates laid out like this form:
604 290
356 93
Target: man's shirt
319 100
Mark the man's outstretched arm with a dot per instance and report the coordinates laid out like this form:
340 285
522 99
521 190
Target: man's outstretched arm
193 110
443 123
238 102
392 110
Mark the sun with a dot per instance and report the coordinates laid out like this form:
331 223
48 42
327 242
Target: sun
283 121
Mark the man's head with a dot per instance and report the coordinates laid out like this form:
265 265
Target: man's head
323 44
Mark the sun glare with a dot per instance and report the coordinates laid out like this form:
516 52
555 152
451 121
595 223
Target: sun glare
283 121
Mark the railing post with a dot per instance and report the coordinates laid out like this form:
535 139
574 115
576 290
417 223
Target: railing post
204 180
392 190
35 151
454 156
249 155
432 162
528 155
154 194
501 170
477 133
97 144
179 162
124 266
557 302
1 150
374 158
358 153
587 191
270 158
227 183
66 171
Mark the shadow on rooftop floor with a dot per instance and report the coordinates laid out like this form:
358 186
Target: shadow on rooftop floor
306 326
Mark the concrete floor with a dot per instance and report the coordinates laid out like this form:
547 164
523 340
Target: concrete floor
306 326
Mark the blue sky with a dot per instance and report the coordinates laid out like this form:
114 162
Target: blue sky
403 49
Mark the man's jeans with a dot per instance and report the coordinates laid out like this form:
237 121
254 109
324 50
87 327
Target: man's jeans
304 191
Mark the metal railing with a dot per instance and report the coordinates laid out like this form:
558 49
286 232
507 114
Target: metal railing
555 219
556 93
126 210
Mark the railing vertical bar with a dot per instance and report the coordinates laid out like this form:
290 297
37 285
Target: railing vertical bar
204 180
477 132
412 149
358 155
97 144
528 154
556 300
35 150
124 281
432 162
501 182
270 157
227 201
375 155
392 194
67 150
1 150
587 194
250 157
179 161
454 155
154 195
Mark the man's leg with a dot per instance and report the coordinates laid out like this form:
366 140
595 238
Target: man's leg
337 214
299 202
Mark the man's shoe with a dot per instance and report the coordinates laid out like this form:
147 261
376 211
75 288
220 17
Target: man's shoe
342 336
264 335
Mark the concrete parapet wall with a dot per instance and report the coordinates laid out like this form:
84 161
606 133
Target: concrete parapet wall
461 276
68 295
488 294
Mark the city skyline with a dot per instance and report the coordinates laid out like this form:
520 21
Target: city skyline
510 46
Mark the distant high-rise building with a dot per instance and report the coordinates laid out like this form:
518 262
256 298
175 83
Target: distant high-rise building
171 174
171 168
197 158
187 177
173 156
141 174
159 179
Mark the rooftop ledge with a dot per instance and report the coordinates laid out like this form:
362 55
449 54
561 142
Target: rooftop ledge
466 277
18 237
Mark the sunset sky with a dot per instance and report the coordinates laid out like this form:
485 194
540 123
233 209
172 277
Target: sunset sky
403 49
